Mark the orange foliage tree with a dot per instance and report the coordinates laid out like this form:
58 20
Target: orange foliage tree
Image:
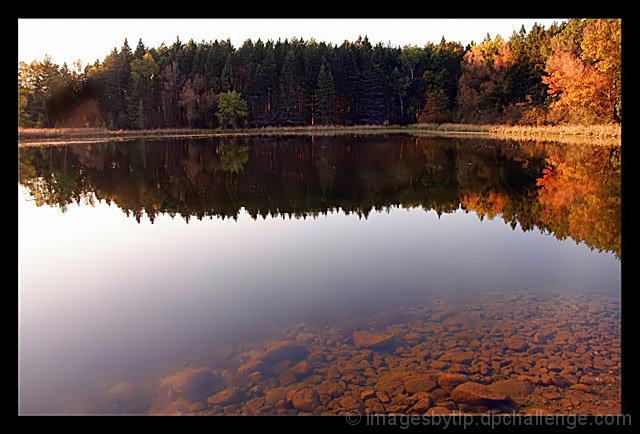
584 73
480 88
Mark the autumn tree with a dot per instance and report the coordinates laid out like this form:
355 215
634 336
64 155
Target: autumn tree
584 72
36 82
602 49
196 100
435 108
484 68
52 96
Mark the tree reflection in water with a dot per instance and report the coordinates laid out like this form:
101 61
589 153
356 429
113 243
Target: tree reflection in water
565 190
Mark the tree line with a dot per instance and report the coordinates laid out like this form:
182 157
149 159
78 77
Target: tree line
568 73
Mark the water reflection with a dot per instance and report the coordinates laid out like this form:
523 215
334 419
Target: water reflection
302 285
566 190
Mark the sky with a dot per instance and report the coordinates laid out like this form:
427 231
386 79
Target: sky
88 40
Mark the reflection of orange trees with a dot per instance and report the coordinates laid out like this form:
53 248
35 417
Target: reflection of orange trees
578 194
489 204
581 197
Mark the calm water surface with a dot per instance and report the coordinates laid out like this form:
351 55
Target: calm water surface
142 259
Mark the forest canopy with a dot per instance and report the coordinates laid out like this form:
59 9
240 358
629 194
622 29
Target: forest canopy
568 73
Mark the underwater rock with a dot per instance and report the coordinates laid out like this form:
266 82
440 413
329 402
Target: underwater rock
198 384
305 399
280 352
420 383
513 388
449 381
228 396
366 339
477 394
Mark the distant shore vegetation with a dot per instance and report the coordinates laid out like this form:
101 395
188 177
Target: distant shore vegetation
565 76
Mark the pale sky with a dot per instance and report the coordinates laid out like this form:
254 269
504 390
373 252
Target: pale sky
67 40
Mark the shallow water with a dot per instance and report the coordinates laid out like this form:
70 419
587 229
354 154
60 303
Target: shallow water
154 275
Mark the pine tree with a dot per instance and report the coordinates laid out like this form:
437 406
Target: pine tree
228 76
140 100
324 107
290 98
370 98
140 50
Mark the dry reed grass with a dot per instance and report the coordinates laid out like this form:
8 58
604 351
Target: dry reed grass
600 134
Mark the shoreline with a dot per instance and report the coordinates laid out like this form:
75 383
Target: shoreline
595 134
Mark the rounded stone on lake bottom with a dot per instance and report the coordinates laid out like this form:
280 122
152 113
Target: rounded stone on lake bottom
383 397
197 384
449 381
367 339
374 406
581 387
463 358
248 368
516 344
366 394
286 350
351 403
228 396
301 369
420 383
513 388
550 393
476 394
280 367
272 396
421 406
287 378
306 400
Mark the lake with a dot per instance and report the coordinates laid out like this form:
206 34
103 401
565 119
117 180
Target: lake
319 275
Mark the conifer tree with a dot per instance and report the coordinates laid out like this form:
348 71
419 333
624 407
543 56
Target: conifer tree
325 97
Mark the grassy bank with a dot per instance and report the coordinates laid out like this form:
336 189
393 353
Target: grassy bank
608 134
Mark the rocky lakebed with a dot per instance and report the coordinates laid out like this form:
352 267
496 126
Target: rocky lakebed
520 352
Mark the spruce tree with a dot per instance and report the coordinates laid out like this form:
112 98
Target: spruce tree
228 76
325 97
